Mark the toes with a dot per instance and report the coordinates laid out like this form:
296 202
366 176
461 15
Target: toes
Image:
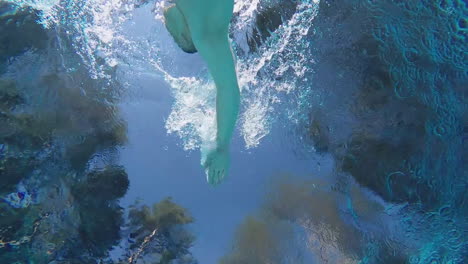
208 176
213 176
219 176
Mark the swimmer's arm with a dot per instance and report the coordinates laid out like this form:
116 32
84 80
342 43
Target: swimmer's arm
216 51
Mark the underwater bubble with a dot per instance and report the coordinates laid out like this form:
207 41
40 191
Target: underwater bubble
446 211
411 55
439 130
414 259
445 5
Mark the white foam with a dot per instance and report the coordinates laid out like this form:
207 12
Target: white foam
275 69
193 114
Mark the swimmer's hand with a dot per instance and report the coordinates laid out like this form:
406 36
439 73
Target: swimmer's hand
216 165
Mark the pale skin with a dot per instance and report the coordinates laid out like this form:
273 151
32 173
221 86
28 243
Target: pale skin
202 25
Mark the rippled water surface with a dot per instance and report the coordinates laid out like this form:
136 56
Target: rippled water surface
351 144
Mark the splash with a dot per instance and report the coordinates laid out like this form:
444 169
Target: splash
286 50
47 8
93 28
97 31
193 114
276 69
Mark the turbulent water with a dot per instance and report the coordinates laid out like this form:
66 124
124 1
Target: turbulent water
98 33
381 86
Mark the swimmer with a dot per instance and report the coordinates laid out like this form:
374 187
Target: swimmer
202 26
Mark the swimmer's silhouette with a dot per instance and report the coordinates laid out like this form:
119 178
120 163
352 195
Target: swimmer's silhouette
202 25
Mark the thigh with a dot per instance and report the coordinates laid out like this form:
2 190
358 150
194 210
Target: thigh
207 16
177 26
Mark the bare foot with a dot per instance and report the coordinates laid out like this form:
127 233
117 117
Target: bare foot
216 165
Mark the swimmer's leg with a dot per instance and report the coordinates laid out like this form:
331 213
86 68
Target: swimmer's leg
178 28
215 49
208 21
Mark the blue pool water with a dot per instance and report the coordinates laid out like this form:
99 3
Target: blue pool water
351 144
